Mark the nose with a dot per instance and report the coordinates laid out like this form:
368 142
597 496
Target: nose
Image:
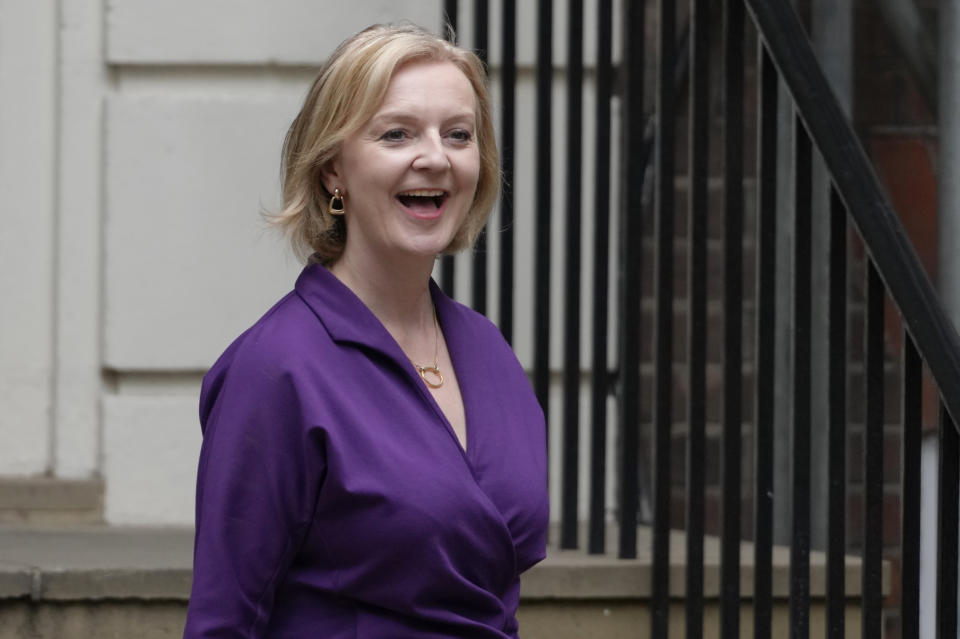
431 154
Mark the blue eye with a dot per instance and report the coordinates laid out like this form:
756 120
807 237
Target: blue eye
461 135
393 135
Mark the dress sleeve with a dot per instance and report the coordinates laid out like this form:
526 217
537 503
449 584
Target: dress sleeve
260 470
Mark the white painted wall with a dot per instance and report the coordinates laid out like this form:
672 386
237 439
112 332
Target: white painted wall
28 50
82 82
150 445
135 162
246 31
189 259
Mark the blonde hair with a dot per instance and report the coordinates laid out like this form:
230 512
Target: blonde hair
347 92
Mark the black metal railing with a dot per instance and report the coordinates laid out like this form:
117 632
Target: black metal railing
894 274
669 138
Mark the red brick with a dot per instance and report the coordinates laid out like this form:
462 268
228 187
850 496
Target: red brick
892 462
905 164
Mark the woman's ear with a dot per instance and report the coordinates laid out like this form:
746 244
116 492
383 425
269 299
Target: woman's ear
330 176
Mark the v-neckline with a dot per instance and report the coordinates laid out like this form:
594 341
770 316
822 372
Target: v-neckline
441 304
348 319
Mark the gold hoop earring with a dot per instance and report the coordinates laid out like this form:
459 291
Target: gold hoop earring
336 203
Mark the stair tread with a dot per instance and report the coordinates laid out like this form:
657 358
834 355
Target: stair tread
115 562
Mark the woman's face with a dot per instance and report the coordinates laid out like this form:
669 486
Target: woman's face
409 175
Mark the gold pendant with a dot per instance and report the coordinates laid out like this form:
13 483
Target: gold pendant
434 374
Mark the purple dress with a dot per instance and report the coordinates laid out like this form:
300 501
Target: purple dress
334 500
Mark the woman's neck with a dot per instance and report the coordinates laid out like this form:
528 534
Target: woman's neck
398 294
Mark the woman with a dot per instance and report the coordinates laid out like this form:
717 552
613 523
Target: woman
373 462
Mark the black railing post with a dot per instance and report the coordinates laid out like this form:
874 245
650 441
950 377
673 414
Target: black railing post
837 410
451 14
541 328
631 237
601 271
663 328
732 318
800 544
766 345
508 109
481 44
911 460
872 593
697 315
571 323
947 526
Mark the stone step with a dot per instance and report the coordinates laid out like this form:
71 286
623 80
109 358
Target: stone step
50 500
100 581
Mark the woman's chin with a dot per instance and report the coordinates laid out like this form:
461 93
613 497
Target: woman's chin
427 246
429 251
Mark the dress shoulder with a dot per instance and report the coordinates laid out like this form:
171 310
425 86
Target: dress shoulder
271 350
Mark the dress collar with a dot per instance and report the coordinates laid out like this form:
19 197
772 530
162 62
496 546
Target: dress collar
345 316
348 321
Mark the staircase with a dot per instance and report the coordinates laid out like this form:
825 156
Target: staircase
83 580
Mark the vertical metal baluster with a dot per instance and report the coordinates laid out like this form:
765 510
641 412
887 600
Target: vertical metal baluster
451 15
508 93
766 348
541 328
947 525
601 270
837 408
631 239
481 23
663 328
872 594
910 490
732 321
800 545
571 324
699 166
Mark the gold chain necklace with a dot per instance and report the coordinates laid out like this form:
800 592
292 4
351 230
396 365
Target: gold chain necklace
431 375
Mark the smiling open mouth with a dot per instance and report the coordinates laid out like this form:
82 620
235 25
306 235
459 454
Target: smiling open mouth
423 200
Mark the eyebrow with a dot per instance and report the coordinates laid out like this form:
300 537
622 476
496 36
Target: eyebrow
404 116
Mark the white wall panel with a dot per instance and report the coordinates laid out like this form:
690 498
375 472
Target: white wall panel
190 262
27 170
151 446
78 381
247 31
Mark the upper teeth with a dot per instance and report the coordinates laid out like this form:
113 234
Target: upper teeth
423 193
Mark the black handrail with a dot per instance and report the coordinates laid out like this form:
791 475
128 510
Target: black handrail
857 185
